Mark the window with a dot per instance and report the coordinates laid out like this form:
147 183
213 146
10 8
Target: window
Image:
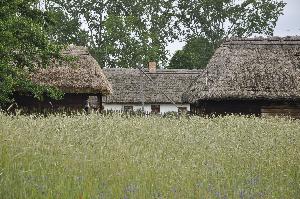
155 109
128 108
182 109
296 60
93 101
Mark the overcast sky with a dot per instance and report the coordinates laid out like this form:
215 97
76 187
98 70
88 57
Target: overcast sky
287 25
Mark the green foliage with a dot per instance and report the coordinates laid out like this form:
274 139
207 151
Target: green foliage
221 19
64 29
123 33
24 46
207 23
194 55
115 157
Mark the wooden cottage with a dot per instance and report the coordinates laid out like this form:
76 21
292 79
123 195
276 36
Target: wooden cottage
81 79
154 90
259 76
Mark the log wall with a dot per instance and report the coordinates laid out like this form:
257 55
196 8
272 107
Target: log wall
69 103
248 107
284 110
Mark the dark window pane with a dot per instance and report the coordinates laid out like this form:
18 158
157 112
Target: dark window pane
128 108
155 108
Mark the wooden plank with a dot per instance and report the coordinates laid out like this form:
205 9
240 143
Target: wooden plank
291 114
280 110
295 116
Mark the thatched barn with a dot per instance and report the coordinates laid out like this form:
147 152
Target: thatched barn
81 79
154 90
258 76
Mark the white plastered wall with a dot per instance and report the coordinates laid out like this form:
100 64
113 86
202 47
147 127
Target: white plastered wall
164 108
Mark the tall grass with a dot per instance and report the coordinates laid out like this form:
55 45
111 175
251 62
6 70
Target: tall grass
115 157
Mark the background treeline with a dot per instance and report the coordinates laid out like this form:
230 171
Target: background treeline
120 33
124 33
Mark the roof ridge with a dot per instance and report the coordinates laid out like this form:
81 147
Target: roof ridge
75 50
176 71
271 38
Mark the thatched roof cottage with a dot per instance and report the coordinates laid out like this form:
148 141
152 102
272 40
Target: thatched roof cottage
250 76
79 79
155 90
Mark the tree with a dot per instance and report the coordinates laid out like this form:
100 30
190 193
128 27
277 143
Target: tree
24 46
64 29
220 19
194 55
207 23
124 33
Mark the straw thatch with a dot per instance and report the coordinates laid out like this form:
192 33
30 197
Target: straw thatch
257 68
81 75
132 86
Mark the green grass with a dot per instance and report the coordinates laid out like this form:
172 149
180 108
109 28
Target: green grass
115 157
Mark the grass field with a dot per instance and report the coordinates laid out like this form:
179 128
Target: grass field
116 157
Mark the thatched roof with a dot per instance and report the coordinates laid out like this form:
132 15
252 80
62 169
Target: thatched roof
126 84
257 68
81 75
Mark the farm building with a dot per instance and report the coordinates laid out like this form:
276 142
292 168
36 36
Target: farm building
81 79
258 76
154 90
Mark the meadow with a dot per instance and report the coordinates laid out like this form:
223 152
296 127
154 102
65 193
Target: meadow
95 156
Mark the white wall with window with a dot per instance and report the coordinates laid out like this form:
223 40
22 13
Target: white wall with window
163 108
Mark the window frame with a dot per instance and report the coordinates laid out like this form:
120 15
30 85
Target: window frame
155 108
128 108
182 109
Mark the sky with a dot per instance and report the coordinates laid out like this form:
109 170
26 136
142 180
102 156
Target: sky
288 24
